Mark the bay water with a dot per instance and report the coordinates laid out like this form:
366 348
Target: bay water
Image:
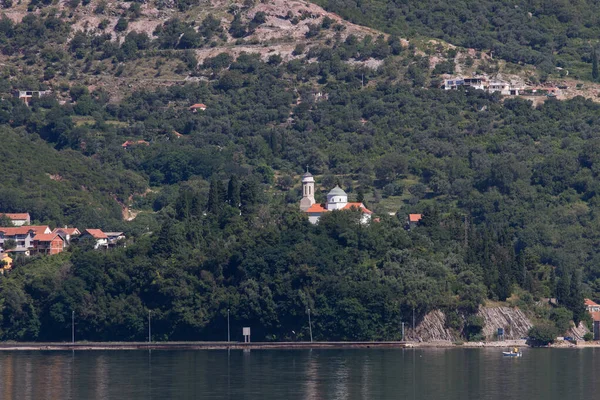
411 374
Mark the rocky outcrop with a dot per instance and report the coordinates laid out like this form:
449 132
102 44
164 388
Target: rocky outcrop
512 320
432 328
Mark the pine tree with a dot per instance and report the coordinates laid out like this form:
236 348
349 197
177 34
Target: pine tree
595 73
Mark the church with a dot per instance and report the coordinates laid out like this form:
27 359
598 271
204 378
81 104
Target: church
337 199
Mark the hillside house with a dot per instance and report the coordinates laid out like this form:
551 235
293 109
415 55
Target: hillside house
594 309
199 106
128 143
49 243
100 239
337 199
26 95
23 237
18 219
114 238
482 83
413 220
67 233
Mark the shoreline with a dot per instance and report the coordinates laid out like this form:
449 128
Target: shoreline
85 346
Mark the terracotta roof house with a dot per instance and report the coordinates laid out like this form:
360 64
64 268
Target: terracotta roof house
23 236
18 219
100 238
49 243
413 220
591 306
127 144
68 233
197 106
337 199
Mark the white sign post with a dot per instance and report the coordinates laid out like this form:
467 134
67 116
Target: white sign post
246 333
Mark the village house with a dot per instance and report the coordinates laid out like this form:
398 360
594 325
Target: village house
198 106
594 309
337 199
67 233
26 95
128 143
114 238
23 237
100 239
482 83
18 219
413 220
49 243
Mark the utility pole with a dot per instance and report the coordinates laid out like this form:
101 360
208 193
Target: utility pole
403 331
228 331
413 322
73 326
310 326
149 328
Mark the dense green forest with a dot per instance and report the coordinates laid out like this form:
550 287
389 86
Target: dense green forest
508 192
547 34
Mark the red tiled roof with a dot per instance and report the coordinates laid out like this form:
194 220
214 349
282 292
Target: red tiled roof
68 231
197 105
17 215
96 233
589 302
359 206
132 142
23 230
46 237
414 217
316 208
595 316
319 208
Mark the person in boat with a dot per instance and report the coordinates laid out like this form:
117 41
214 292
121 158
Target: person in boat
515 350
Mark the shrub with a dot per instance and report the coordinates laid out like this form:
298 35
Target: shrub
542 335
588 337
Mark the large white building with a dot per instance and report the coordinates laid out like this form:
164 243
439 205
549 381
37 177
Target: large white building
337 199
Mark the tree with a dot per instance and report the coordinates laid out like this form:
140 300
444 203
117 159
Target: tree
233 191
542 335
595 73
9 244
216 196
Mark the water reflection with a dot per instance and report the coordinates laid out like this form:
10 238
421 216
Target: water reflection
300 375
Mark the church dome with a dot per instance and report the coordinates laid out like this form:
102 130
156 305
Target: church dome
337 191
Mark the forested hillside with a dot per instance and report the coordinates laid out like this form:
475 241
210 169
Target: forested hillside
547 34
508 191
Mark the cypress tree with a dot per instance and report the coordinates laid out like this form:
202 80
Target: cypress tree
233 191
595 73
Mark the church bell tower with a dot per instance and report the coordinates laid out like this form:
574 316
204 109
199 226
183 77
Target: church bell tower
308 191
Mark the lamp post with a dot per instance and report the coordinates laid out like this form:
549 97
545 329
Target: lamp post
228 331
310 326
73 326
149 328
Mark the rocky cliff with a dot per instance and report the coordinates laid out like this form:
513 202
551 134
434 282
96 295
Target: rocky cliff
433 326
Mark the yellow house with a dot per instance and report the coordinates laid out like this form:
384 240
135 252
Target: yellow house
6 262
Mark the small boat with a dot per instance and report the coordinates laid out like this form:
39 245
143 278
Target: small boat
512 353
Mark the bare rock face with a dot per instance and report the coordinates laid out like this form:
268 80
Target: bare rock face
512 320
432 327
577 332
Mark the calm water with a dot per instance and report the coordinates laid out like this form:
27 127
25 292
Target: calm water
301 374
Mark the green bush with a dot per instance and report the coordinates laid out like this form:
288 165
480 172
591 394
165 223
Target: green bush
542 335
588 337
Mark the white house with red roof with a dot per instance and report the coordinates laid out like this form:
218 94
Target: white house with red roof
23 236
18 219
100 238
337 199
